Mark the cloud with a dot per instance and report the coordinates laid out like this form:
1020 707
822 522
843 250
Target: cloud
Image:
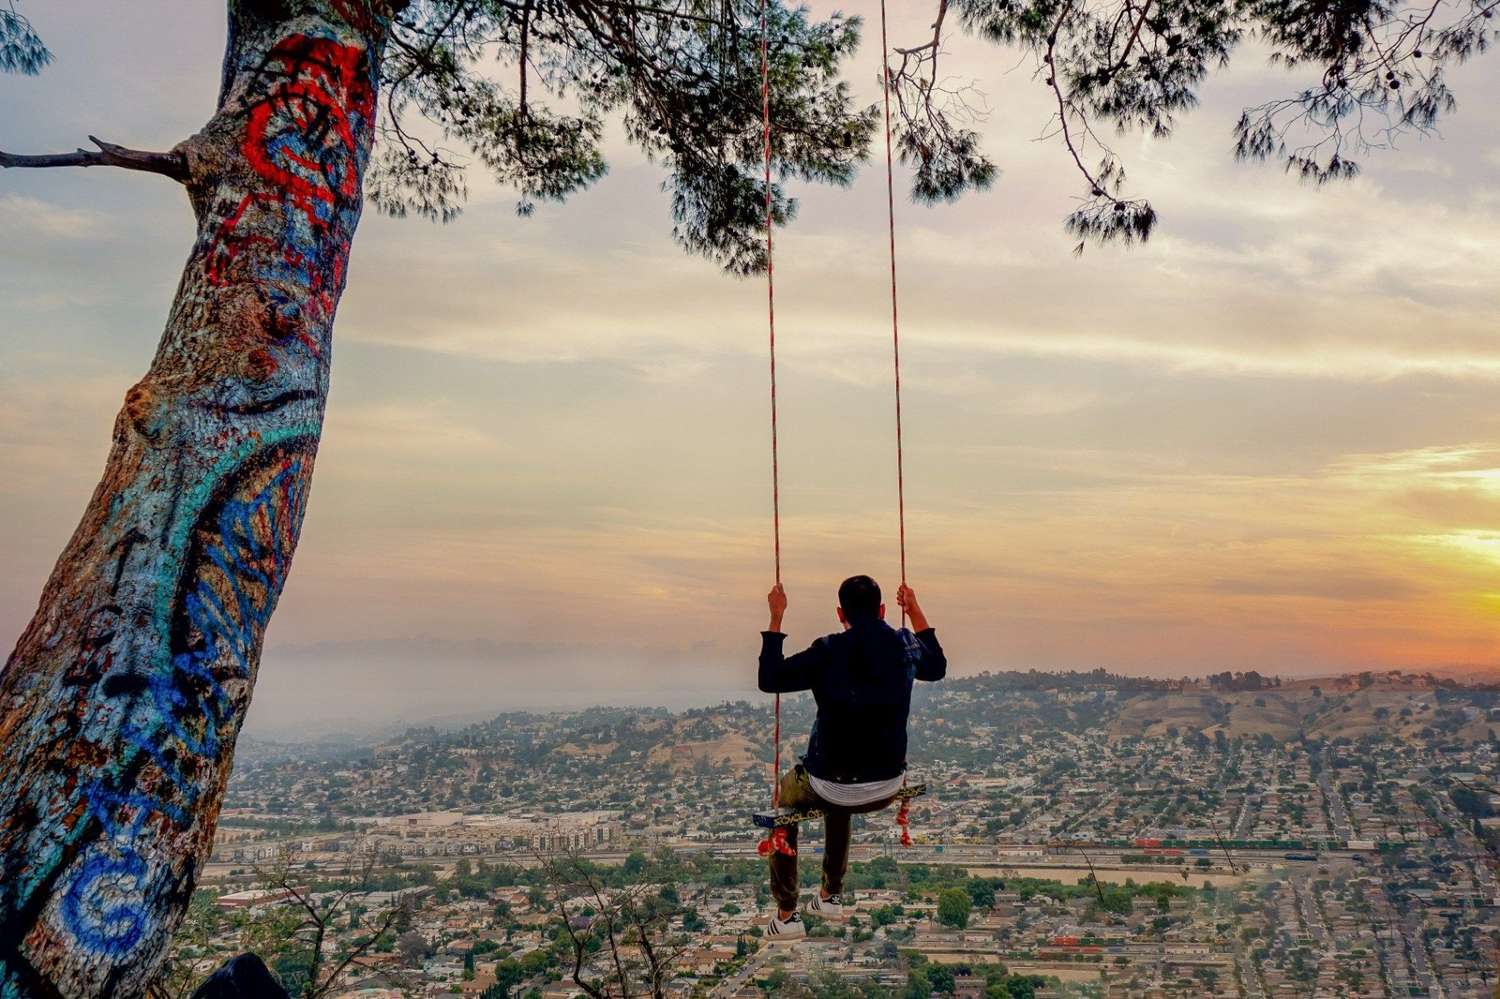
23 217
1339 586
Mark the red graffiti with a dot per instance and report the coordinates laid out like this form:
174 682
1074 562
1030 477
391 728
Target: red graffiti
305 141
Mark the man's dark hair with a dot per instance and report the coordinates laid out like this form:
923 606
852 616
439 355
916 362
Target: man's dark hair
860 597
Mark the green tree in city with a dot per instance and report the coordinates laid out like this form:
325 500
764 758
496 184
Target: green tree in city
982 892
954 905
1024 986
941 977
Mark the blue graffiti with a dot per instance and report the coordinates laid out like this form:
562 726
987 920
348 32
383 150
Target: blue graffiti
240 557
102 906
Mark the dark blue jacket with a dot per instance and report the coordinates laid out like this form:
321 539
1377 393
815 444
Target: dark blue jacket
861 679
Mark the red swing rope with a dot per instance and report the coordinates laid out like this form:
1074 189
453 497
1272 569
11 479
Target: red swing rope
902 814
890 205
765 118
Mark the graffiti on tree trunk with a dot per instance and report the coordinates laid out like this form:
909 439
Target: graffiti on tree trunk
302 141
179 722
129 742
239 556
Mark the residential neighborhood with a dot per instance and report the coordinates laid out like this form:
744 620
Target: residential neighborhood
1083 835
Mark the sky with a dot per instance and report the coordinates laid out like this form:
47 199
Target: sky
1268 439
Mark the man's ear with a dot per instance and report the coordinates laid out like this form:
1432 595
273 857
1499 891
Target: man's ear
882 612
842 619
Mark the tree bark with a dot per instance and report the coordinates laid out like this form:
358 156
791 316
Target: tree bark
120 706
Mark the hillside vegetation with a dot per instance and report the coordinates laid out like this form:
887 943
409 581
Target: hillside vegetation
962 719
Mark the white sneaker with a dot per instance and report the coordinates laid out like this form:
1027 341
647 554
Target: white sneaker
790 928
831 907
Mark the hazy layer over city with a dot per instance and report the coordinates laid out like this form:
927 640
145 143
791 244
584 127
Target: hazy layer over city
1268 439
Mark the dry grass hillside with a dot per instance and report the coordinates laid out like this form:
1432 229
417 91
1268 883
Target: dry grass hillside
731 749
1343 707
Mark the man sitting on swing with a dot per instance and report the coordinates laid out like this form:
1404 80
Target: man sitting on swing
861 679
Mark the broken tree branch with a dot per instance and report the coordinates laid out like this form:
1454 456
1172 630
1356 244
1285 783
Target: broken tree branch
171 164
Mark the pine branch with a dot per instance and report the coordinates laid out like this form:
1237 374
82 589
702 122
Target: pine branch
171 164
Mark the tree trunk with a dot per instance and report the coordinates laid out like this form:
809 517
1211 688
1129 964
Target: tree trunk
120 706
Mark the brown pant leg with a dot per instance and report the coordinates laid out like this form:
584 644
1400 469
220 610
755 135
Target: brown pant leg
795 793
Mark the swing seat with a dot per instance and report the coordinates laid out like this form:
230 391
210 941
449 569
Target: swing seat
793 816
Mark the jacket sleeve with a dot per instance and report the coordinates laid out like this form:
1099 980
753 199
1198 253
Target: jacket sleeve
782 675
932 665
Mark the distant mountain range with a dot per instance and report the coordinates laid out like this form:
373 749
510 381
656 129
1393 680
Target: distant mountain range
962 718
